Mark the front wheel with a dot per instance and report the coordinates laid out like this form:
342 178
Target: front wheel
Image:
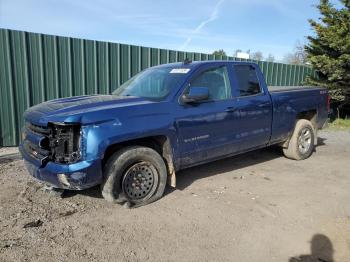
136 175
301 143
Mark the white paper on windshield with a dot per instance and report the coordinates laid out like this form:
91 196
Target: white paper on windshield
179 71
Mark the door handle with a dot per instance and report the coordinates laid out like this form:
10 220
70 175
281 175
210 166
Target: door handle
231 109
264 104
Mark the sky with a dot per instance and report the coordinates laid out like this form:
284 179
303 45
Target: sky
270 26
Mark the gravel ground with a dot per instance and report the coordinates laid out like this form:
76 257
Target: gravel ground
255 207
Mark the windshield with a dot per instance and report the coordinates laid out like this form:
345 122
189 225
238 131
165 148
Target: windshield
153 83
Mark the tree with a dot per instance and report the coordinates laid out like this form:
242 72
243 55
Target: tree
329 49
291 58
298 56
270 58
257 56
219 52
300 52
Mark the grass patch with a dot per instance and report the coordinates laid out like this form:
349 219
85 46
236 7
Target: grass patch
340 124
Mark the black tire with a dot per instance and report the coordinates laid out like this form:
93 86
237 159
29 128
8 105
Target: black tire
301 143
134 175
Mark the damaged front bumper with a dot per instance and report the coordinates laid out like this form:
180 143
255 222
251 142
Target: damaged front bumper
77 176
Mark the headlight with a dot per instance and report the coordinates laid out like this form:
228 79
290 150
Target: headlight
65 142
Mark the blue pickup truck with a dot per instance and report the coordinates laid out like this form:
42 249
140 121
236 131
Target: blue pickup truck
162 120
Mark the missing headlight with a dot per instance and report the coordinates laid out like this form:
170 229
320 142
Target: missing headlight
65 143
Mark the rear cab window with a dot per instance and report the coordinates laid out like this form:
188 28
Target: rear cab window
247 80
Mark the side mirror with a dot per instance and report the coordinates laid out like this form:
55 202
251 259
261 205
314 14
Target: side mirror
195 94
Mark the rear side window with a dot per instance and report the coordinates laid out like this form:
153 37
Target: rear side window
247 79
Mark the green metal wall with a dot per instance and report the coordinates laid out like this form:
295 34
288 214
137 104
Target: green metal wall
36 67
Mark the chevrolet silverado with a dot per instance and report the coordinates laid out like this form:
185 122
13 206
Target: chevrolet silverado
164 119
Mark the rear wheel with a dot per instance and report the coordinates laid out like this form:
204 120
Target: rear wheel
136 175
301 143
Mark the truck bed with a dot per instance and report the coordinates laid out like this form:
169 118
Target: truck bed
289 101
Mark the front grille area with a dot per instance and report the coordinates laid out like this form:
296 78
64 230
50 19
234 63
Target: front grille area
41 154
36 142
41 130
56 142
65 143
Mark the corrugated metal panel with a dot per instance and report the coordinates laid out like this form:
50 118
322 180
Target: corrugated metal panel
172 56
78 69
36 68
103 85
19 62
8 119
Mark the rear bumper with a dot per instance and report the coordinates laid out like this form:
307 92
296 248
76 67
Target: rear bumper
77 176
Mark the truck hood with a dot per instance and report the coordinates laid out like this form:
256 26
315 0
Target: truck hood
76 109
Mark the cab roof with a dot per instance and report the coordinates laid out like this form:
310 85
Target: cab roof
196 64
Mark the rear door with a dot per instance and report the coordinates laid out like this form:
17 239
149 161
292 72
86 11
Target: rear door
254 105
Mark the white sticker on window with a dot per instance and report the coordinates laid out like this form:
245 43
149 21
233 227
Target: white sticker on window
179 71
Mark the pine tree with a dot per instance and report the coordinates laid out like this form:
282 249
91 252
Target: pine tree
329 50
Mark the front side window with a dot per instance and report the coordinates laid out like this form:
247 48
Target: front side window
217 82
247 79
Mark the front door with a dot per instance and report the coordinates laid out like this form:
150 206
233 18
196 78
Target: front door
207 130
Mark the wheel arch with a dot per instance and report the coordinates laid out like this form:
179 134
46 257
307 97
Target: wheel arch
310 115
160 143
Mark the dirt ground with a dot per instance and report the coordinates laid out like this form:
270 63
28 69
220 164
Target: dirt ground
255 207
